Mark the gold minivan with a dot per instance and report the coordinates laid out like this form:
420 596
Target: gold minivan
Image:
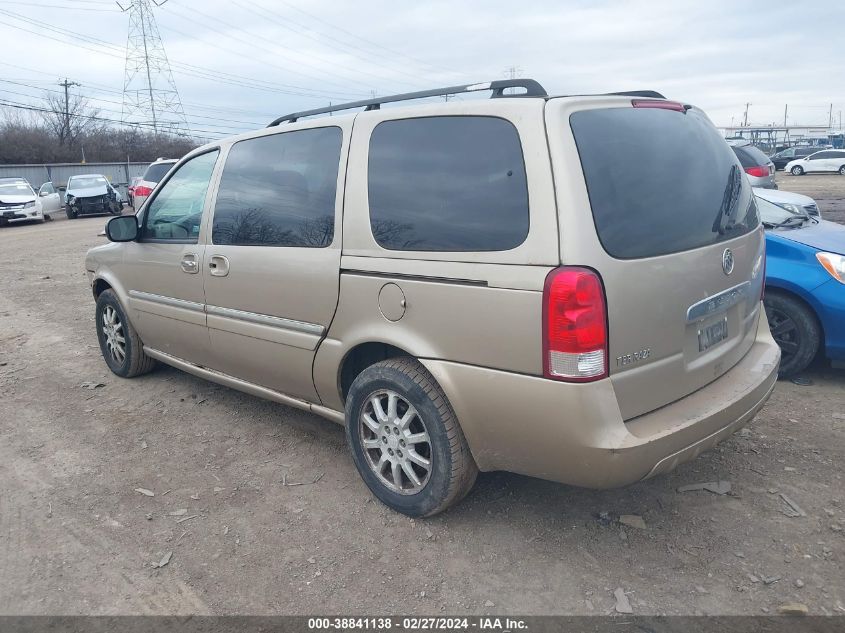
567 288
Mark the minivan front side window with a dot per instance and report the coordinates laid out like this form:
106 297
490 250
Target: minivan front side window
175 213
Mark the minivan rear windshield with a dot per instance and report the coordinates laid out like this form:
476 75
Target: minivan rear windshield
660 181
156 171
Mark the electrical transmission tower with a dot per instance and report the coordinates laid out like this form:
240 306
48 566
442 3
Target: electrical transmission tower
150 98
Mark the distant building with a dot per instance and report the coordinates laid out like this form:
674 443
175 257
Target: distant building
772 138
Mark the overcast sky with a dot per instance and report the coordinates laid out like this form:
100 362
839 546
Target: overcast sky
239 63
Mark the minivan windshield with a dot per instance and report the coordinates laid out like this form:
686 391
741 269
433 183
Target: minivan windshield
660 181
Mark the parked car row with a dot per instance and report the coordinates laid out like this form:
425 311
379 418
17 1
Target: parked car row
83 195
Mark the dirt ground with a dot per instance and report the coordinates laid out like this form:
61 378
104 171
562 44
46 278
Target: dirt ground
827 189
77 538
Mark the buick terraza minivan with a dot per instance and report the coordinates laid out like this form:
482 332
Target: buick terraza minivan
567 288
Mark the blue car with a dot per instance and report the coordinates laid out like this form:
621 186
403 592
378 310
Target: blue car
805 285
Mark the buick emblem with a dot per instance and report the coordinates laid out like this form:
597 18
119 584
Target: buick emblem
728 261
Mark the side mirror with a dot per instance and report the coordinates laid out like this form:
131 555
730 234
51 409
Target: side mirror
123 228
42 194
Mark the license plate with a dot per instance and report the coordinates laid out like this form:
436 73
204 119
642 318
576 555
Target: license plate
712 334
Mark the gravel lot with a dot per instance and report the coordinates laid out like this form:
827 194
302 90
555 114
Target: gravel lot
76 537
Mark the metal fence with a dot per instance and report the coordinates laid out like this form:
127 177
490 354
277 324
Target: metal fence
118 174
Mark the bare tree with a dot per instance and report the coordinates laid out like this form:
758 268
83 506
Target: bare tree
68 120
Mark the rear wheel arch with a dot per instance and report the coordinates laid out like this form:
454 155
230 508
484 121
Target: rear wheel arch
362 356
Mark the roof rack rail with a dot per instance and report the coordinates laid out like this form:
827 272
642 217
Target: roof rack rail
532 89
638 93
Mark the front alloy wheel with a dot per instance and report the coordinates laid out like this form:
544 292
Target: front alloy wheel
114 335
120 345
797 170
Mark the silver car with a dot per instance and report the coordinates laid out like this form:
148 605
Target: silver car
758 167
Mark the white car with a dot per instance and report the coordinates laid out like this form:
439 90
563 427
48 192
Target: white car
794 202
152 176
828 160
19 202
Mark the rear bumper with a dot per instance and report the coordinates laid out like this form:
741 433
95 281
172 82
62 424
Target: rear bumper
574 433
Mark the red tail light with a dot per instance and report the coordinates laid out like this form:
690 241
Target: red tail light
574 326
141 190
761 171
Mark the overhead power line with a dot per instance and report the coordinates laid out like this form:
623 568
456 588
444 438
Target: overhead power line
334 43
358 37
86 42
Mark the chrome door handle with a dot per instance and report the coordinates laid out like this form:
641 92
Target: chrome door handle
189 264
218 265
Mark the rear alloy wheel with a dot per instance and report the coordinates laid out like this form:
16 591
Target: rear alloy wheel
842 170
797 170
405 439
796 331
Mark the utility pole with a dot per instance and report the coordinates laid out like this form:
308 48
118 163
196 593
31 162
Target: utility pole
745 121
150 97
785 110
830 118
66 126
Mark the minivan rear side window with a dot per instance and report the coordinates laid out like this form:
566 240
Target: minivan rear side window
279 190
449 183
660 181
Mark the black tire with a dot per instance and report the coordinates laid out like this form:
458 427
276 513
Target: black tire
453 470
842 170
797 170
71 213
135 362
795 329
4 221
